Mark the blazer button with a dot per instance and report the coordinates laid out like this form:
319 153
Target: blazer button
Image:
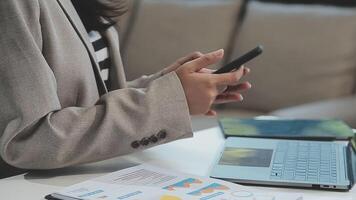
153 139
144 142
135 144
162 134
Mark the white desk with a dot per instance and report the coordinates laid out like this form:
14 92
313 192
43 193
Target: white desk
194 155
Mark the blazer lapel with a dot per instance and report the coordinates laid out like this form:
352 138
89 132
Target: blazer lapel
117 72
78 26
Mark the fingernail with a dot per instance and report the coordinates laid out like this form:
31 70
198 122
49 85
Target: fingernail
219 52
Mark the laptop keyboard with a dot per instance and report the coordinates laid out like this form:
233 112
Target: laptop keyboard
305 161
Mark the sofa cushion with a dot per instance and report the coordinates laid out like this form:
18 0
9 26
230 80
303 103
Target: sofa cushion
342 108
167 30
310 54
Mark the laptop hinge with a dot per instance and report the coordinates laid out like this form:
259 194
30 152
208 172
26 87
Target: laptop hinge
350 165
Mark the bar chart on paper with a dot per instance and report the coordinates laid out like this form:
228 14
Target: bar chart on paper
145 182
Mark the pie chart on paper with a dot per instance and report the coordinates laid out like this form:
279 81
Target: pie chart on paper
242 194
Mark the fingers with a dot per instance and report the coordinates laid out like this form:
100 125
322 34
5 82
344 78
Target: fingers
205 60
206 71
231 78
246 70
211 113
189 57
222 88
181 61
228 98
239 88
232 93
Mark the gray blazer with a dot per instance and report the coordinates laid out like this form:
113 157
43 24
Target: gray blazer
53 112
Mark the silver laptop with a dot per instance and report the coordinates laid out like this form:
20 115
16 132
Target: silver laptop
293 163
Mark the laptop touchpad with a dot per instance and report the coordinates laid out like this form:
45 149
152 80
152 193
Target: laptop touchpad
246 157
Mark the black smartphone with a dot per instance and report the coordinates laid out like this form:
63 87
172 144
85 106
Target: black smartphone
236 64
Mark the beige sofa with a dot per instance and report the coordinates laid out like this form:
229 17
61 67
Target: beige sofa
308 69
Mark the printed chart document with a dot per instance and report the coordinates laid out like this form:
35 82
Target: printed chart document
145 182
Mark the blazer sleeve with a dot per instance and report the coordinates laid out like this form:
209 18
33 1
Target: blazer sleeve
144 81
37 133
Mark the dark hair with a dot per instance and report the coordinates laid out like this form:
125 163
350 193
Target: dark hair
91 12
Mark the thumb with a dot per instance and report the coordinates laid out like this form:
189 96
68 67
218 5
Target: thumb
205 60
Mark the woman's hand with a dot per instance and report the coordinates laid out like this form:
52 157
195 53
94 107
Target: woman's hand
181 61
202 89
231 93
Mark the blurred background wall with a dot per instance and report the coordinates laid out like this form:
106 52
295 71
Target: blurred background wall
308 69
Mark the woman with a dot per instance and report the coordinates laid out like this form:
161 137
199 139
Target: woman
56 108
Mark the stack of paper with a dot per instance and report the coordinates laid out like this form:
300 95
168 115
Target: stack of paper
145 182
